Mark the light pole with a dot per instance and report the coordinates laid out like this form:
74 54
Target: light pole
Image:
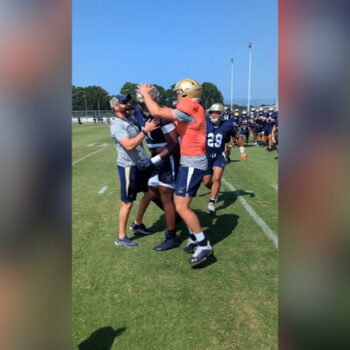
231 82
250 74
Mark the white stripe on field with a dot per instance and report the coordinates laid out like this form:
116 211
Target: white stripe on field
275 187
91 144
102 190
88 155
268 232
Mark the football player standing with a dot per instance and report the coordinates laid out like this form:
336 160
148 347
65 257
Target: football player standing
190 120
164 164
219 132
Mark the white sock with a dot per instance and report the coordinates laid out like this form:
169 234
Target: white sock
199 236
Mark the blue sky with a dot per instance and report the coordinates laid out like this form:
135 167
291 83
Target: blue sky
164 41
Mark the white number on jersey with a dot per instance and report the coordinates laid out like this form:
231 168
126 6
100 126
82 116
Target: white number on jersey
214 140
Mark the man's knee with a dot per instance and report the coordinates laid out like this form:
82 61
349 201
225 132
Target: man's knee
127 204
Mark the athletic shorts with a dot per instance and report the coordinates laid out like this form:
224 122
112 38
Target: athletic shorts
166 174
132 181
267 130
188 181
244 131
219 161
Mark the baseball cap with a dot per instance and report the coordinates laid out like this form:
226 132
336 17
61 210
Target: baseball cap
119 99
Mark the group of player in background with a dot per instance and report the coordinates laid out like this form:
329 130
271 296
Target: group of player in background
189 146
261 123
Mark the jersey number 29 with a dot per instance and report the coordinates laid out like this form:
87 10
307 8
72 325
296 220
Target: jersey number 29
214 140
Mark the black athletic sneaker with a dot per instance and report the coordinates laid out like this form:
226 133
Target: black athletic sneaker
170 242
140 229
190 246
200 254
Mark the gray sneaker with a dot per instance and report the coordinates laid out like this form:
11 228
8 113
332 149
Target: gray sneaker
125 242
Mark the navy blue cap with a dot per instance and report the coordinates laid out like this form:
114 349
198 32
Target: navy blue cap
120 99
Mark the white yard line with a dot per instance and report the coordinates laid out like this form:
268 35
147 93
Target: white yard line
263 225
88 155
103 190
91 144
275 187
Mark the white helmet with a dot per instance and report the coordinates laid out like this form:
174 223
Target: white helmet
155 94
216 107
244 112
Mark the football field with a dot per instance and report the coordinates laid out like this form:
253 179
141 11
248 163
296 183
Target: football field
139 299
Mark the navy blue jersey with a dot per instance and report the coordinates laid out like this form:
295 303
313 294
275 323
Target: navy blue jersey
227 116
217 136
155 138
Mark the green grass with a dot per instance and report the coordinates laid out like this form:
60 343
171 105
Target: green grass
155 300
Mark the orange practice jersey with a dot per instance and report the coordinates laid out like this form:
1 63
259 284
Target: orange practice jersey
193 135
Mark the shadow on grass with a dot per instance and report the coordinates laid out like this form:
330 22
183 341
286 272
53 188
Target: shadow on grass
101 339
218 227
227 198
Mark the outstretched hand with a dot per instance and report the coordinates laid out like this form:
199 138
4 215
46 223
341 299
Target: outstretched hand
144 89
151 124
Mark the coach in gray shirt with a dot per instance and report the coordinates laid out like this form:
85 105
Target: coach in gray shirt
128 139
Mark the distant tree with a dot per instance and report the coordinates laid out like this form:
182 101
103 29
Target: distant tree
129 88
78 98
210 94
95 96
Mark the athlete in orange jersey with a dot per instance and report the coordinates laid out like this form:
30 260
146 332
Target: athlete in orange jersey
190 120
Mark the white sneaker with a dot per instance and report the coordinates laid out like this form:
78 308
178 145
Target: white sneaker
211 207
201 253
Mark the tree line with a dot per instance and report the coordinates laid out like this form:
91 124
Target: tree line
96 98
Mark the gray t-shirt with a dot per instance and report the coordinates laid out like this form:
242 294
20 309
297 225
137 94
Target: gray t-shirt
121 128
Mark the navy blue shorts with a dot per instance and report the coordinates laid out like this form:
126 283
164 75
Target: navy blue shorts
267 130
188 181
218 161
132 181
166 174
244 131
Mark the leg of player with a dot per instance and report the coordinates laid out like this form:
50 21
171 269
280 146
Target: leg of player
228 148
138 226
167 197
215 188
207 181
122 239
203 248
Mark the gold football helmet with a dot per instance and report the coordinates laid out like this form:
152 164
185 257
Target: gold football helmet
217 107
155 94
187 88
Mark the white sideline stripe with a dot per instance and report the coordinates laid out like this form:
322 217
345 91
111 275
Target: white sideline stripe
268 232
102 190
88 155
275 187
91 144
